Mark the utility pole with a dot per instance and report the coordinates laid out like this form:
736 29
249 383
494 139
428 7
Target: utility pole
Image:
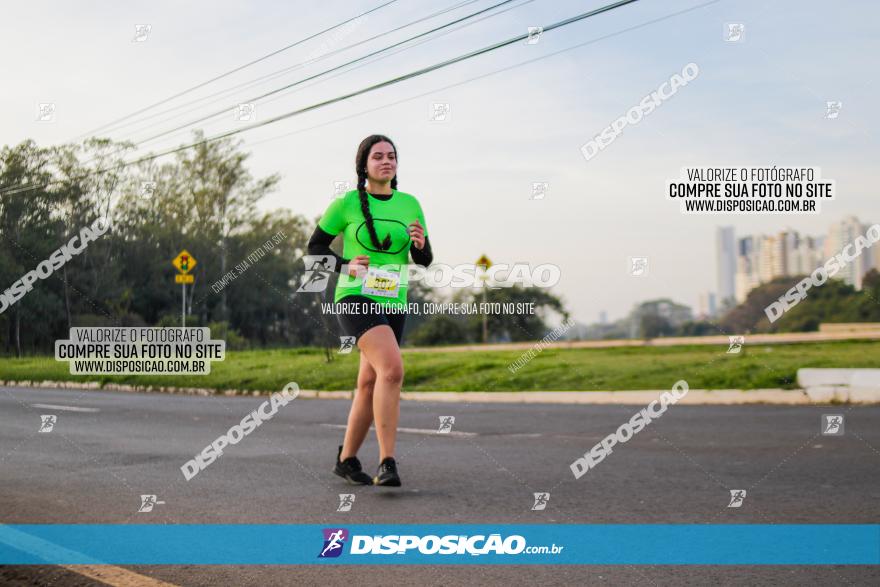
485 263
184 262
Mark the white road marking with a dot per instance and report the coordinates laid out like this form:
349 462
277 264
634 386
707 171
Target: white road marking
417 431
65 408
432 432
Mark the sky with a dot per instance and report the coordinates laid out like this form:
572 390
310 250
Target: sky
518 115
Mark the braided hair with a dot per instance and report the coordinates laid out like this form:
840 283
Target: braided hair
361 167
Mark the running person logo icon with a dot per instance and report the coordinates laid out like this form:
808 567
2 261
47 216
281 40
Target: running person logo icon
334 540
638 266
346 344
832 109
148 502
734 32
541 500
832 424
318 271
47 422
446 423
737 496
736 343
346 500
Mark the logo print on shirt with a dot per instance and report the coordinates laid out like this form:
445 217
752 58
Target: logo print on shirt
395 239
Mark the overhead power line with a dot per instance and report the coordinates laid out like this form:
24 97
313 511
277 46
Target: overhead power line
237 69
226 110
486 74
284 94
141 142
359 92
256 81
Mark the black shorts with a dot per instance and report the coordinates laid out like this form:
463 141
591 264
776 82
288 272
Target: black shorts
371 314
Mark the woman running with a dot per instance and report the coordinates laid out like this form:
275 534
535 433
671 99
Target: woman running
381 227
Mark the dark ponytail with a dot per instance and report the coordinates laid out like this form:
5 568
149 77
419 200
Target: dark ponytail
361 168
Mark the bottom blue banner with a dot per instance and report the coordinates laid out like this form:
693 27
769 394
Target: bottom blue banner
543 544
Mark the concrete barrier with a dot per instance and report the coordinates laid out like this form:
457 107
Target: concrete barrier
844 385
820 377
835 327
826 394
866 378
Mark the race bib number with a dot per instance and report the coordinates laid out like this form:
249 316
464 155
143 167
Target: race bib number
379 282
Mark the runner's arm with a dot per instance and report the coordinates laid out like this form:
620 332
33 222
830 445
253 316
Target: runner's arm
422 256
319 244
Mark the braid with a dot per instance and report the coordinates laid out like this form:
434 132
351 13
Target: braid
361 168
365 208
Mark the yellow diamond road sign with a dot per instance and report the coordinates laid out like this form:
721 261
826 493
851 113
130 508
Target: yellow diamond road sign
184 262
484 261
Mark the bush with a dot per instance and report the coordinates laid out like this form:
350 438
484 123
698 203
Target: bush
234 340
100 320
439 329
173 320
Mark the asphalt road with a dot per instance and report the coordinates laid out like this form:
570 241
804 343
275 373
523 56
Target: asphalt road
98 460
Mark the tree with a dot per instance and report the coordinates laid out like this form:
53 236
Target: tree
833 301
28 231
440 329
654 325
513 326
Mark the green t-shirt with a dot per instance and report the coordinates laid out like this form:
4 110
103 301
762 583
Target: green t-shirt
391 218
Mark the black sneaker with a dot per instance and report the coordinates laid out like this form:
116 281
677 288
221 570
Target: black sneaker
350 469
387 473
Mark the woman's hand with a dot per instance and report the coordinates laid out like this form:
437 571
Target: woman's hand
357 267
417 234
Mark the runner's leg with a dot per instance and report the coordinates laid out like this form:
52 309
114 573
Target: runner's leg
380 346
361 415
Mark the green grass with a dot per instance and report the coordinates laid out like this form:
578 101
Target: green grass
623 368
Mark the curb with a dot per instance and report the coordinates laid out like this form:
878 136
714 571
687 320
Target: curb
694 397
779 338
95 386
